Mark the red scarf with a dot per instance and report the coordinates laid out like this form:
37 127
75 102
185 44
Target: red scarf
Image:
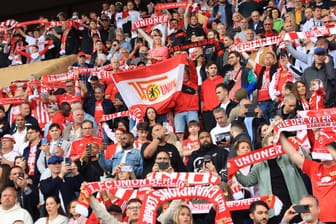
31 159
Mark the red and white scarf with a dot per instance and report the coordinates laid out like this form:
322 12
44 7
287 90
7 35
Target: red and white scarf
31 160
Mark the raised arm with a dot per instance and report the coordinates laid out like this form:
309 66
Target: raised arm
291 151
249 60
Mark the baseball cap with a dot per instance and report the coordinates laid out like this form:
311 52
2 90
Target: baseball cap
81 53
8 137
320 50
55 159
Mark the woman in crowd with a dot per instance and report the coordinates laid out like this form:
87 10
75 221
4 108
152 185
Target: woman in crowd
302 95
4 176
55 213
151 117
158 52
278 176
182 215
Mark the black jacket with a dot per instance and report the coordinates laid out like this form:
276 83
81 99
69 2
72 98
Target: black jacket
218 157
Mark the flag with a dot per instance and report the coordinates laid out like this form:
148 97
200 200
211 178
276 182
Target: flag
152 85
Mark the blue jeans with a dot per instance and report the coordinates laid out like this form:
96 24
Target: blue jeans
183 118
267 108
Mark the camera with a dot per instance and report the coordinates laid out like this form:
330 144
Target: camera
21 174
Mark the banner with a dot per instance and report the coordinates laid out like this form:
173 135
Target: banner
172 5
252 45
200 43
316 32
325 120
313 119
57 78
256 156
212 194
191 178
11 100
150 21
152 85
272 201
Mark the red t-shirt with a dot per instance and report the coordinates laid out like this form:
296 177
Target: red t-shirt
99 112
208 93
78 146
324 188
68 98
263 93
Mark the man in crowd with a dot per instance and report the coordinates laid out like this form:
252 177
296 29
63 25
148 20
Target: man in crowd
310 213
10 210
218 156
321 175
78 146
129 156
259 212
159 143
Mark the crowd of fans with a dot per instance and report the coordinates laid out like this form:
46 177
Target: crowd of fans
53 142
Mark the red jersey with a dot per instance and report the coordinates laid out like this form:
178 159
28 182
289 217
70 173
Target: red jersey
208 93
187 145
323 181
263 93
68 98
78 146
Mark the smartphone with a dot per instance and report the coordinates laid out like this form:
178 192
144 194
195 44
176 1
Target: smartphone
206 160
44 141
67 160
163 165
166 126
127 168
21 174
301 208
88 147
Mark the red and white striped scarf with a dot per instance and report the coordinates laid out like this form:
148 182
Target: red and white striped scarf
63 41
31 159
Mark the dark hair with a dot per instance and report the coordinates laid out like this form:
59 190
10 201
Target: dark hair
54 125
193 123
142 126
86 121
146 118
34 128
211 63
4 178
202 131
224 86
133 200
236 53
254 205
296 92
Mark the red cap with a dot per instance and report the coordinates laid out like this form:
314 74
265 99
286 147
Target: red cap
81 53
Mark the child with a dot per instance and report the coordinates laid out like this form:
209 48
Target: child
191 143
318 94
142 132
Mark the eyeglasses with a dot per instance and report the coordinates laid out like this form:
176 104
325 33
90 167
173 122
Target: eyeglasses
326 21
133 207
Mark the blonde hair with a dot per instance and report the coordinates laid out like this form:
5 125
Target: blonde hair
178 211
